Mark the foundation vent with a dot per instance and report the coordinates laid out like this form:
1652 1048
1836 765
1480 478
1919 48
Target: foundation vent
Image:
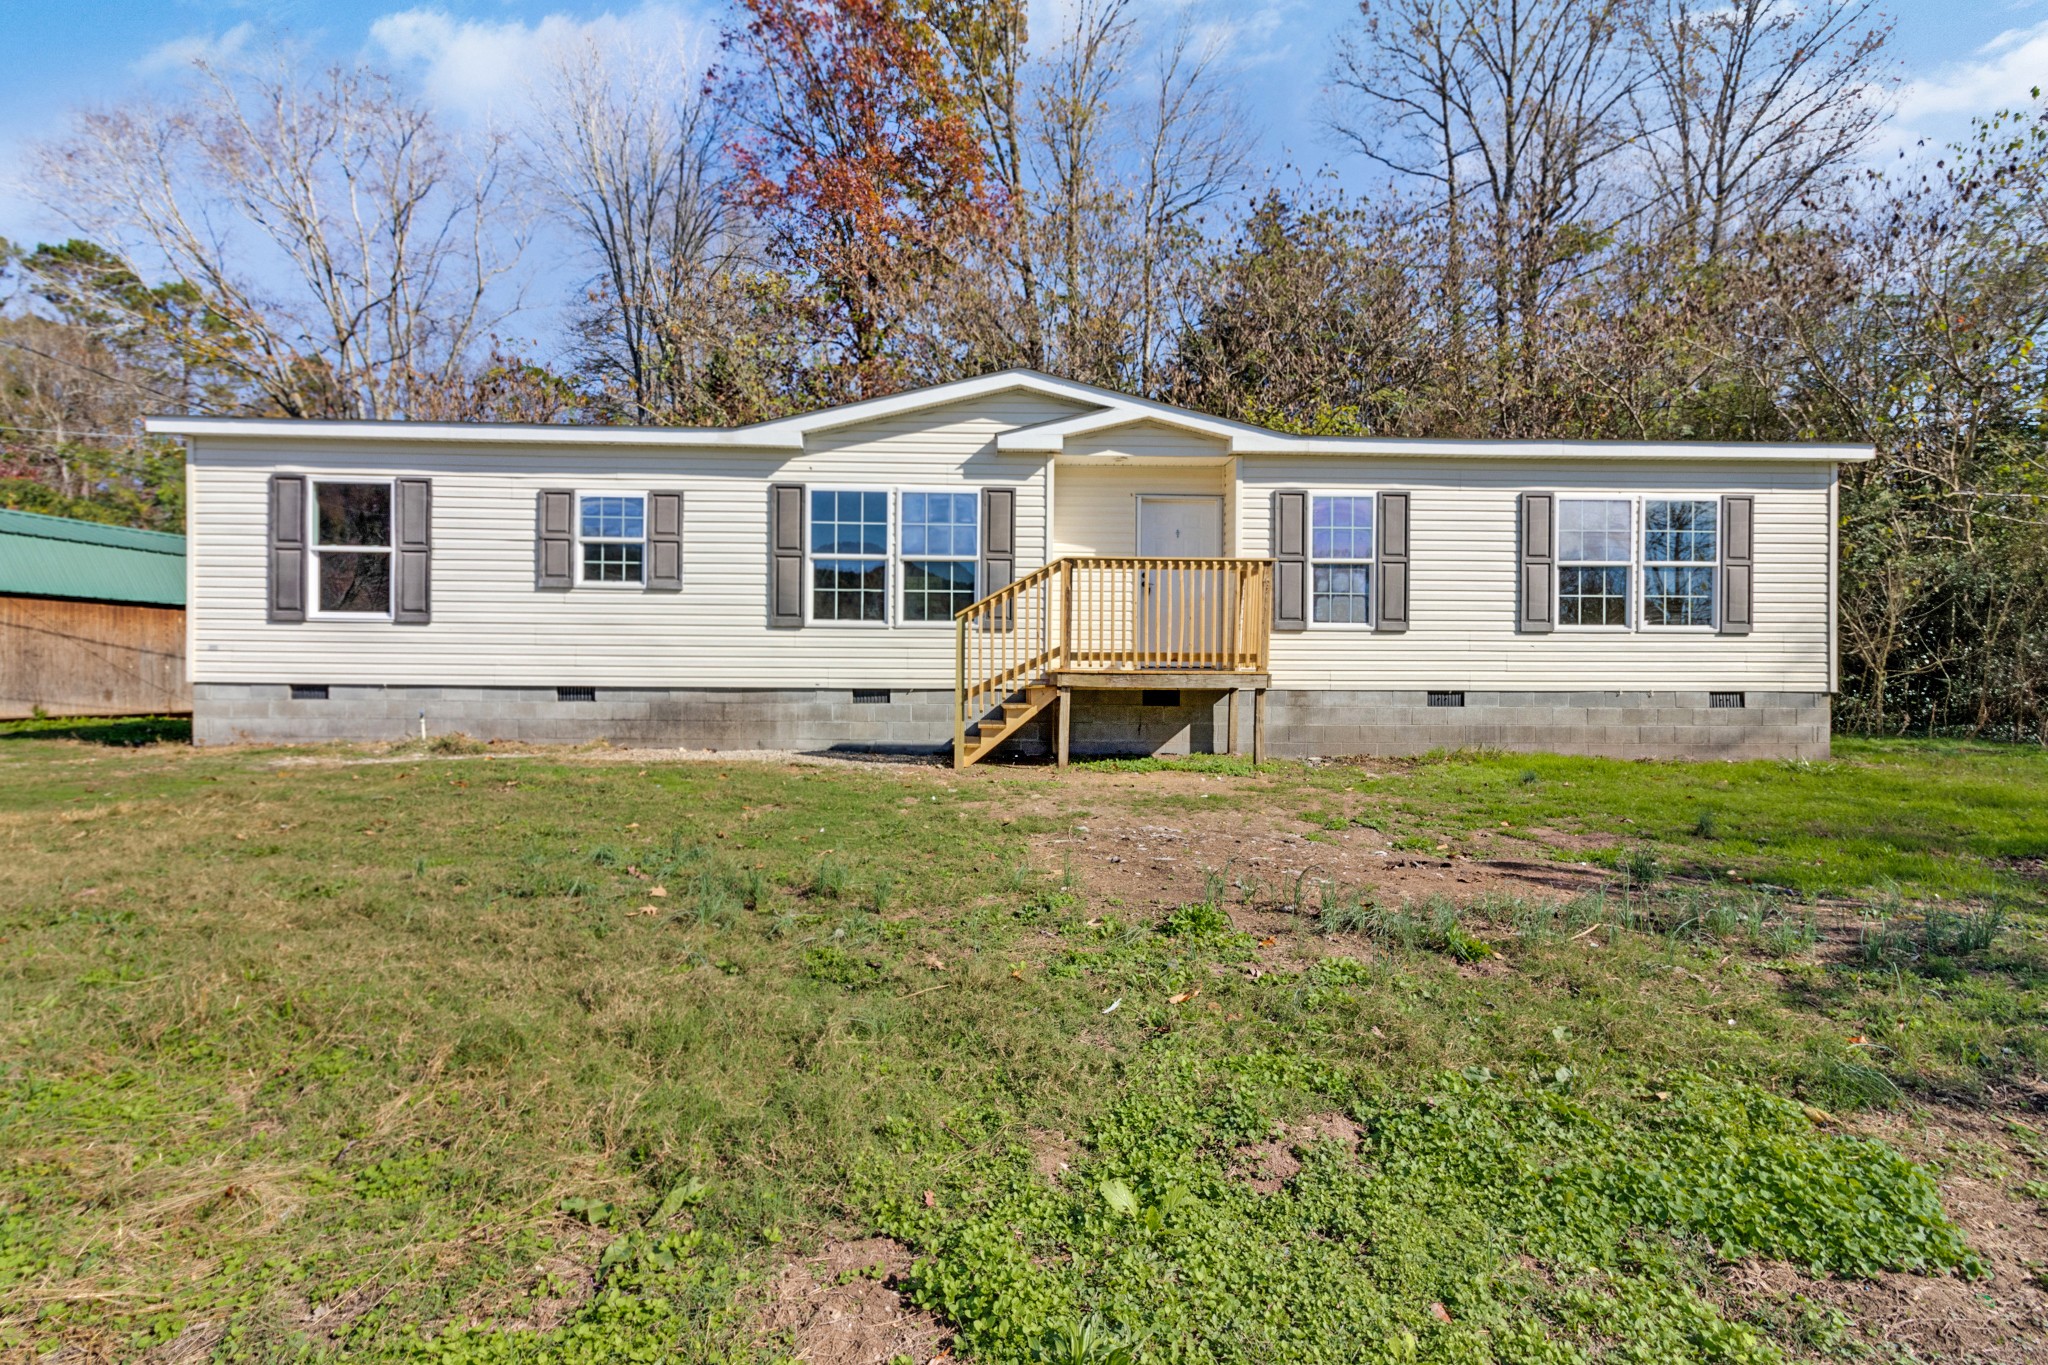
309 691
1447 699
575 694
1725 701
871 696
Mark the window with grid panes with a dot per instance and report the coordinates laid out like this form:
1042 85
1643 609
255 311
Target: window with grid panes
1340 556
939 543
1681 550
612 530
1593 543
849 555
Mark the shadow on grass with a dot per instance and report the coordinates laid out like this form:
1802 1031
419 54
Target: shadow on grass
124 732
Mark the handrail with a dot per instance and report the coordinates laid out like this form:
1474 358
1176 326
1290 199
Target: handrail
1104 613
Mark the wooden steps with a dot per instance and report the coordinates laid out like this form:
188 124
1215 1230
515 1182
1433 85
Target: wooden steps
1005 720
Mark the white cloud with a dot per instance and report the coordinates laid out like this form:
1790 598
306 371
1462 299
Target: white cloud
2001 76
475 67
179 53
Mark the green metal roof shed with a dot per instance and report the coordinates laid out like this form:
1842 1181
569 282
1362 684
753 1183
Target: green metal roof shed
57 557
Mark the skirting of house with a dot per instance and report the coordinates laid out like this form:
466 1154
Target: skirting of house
1300 723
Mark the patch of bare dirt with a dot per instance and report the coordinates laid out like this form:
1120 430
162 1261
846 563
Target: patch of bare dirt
1052 1154
1268 861
1268 1166
840 1306
2002 1320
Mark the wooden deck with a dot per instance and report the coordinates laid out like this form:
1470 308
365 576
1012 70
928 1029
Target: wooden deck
1110 623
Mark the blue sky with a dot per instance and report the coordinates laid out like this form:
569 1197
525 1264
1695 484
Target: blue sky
1957 58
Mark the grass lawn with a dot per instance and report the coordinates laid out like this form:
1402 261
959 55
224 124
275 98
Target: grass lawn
425 1054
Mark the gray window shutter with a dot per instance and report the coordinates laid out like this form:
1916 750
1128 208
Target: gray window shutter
1738 564
287 587
1290 559
998 539
786 556
665 542
554 540
1390 576
412 552
1538 587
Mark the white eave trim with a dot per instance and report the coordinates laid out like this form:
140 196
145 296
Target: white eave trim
1110 410
1050 438
1276 443
472 433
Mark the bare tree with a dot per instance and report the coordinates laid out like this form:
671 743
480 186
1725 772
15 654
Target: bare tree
1075 147
989 42
346 248
629 154
1752 105
1194 149
1515 104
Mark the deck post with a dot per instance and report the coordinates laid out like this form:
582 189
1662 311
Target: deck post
1230 738
1066 724
1066 654
960 691
1259 725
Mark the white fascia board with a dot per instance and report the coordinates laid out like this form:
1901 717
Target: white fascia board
1051 437
783 433
472 433
1276 443
936 396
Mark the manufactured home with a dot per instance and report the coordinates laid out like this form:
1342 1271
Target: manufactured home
1013 562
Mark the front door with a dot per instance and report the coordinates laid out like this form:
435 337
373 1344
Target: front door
1179 618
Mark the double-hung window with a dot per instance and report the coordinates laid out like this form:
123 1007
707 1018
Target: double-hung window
940 539
611 534
849 555
351 544
1594 556
1681 552
1340 556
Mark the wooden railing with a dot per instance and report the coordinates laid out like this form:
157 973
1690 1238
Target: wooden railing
1111 614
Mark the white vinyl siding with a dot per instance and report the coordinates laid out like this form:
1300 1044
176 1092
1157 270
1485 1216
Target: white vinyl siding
491 628
1463 547
1101 478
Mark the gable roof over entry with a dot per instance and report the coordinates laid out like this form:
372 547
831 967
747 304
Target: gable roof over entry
1109 410
57 557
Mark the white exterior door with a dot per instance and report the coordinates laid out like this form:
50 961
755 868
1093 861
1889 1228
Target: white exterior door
1178 621
1180 526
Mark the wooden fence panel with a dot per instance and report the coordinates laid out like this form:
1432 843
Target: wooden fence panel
91 659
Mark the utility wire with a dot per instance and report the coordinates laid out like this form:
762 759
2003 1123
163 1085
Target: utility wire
89 369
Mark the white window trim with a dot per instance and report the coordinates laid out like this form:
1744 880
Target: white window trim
1629 594
1640 601
314 612
888 558
646 505
898 614
1371 621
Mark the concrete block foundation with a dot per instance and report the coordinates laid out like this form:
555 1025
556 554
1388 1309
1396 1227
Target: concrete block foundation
1300 723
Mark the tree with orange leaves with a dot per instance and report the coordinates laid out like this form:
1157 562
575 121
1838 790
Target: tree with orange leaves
862 164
